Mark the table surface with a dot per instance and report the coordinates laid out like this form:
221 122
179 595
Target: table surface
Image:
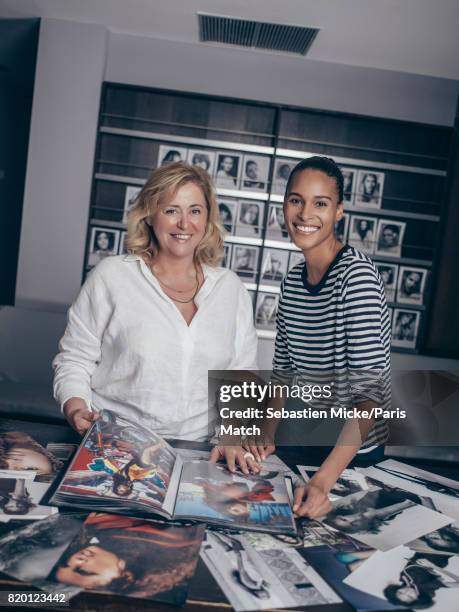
204 593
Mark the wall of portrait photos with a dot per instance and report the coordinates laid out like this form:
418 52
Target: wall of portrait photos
395 175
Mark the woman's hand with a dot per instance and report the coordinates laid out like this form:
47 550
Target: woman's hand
311 500
260 450
235 456
78 414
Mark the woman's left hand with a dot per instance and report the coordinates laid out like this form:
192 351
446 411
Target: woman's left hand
311 501
235 456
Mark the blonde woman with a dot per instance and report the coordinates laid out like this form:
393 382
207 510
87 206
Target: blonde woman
146 327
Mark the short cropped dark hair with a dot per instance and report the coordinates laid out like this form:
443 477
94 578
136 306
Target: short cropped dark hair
324 164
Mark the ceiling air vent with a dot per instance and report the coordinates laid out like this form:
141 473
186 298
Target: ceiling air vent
256 34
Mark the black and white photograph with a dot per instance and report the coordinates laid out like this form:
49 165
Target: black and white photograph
244 261
349 185
20 500
405 328
202 158
282 170
130 197
171 153
411 285
444 541
384 518
227 248
274 266
391 315
349 482
362 233
227 170
250 219
389 274
369 189
276 228
410 579
263 578
104 242
295 259
255 172
228 214
389 239
342 228
122 248
266 310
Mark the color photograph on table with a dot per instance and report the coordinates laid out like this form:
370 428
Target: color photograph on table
405 327
274 266
389 274
20 451
369 189
282 170
228 214
250 219
342 228
349 184
389 238
130 196
171 153
266 310
276 228
255 172
202 158
103 243
244 261
227 170
362 233
411 285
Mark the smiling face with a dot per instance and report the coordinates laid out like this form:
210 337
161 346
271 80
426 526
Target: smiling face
91 567
179 224
311 209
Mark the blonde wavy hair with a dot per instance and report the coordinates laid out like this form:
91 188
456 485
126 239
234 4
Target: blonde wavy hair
161 186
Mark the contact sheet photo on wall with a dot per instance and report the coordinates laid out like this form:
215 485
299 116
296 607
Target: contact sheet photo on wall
393 188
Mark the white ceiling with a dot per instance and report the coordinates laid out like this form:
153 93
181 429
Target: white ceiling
414 36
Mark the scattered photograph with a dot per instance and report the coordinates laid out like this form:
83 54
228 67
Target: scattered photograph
103 243
362 233
20 451
276 228
227 248
263 578
349 186
384 518
410 579
228 214
274 266
227 170
405 327
202 158
342 227
250 219
255 172
171 153
369 189
282 170
444 541
266 310
389 238
130 197
411 285
20 500
132 557
245 261
389 275
349 482
295 259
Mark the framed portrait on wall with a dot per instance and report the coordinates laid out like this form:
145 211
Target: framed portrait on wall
226 262
370 186
228 214
130 196
389 238
295 259
273 266
122 247
250 218
276 228
244 261
411 285
171 153
202 158
342 227
362 233
349 184
104 241
227 170
266 310
282 170
255 172
389 274
405 326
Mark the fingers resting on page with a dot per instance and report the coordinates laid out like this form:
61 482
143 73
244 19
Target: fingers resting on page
310 501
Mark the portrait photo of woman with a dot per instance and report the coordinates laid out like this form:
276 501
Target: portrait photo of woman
227 170
170 153
411 285
362 233
369 189
103 243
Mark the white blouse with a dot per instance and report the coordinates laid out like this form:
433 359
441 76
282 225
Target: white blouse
128 349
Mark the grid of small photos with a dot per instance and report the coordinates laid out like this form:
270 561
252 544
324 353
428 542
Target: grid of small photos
257 245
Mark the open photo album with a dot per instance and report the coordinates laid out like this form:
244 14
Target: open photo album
125 468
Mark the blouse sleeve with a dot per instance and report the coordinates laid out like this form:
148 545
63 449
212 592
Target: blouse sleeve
246 341
80 347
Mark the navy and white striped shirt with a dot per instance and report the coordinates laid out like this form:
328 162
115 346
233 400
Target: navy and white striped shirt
339 325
